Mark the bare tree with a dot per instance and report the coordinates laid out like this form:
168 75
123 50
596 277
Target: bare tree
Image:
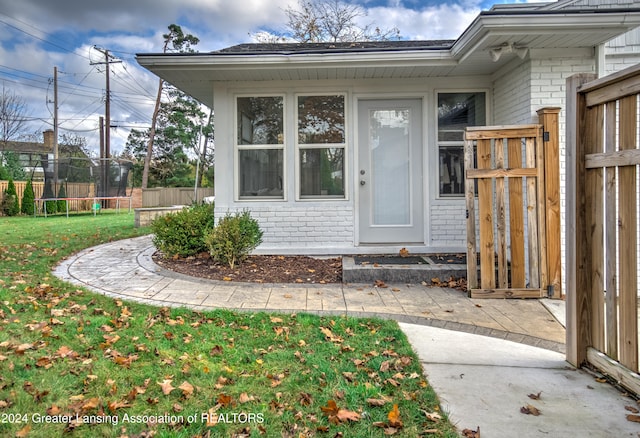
174 41
13 116
314 21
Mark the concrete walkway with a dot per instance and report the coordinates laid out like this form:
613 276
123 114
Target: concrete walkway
481 356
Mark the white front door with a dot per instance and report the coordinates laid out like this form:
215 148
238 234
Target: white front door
389 175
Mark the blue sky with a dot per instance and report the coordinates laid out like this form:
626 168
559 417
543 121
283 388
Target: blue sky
36 35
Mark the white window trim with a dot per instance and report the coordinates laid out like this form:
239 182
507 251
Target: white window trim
436 161
238 147
298 147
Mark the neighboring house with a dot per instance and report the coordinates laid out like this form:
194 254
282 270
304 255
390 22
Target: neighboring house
357 147
32 156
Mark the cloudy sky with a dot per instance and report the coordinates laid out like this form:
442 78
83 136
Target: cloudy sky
36 35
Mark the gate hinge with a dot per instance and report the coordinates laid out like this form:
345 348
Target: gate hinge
545 136
550 291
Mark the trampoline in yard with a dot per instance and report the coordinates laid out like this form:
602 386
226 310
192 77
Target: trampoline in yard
84 184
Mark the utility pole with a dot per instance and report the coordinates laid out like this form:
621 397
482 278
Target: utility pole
107 116
56 155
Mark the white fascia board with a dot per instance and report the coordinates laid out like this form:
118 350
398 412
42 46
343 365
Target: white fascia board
439 57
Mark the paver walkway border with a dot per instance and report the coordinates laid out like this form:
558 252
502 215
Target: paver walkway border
125 269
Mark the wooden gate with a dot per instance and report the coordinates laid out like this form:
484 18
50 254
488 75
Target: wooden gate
517 226
603 155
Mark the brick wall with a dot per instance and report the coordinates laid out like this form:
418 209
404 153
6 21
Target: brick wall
302 226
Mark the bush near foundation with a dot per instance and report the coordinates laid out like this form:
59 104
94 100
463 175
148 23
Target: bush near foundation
234 238
182 234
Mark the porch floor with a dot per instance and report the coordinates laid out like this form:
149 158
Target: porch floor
396 269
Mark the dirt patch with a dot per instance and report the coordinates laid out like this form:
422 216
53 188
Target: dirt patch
259 269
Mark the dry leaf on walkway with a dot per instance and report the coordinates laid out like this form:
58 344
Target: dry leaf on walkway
634 418
632 409
530 410
470 433
535 396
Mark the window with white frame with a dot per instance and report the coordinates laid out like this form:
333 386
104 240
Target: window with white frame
260 147
321 146
456 111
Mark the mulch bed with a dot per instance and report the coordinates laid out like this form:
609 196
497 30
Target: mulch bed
258 269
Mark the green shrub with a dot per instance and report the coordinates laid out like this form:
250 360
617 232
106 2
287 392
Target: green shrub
62 193
182 234
10 202
50 206
28 198
234 238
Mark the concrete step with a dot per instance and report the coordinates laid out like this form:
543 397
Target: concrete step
396 269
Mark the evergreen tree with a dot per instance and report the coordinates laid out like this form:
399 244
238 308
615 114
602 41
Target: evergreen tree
28 199
10 202
51 206
62 193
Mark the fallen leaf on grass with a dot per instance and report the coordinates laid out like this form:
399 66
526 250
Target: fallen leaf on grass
394 424
432 416
330 336
166 386
394 417
530 410
376 402
337 415
187 389
246 398
24 431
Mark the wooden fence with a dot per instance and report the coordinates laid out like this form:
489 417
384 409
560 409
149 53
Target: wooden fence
168 196
602 223
516 172
73 190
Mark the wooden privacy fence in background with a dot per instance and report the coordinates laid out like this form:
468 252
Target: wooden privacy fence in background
73 190
168 196
602 223
517 234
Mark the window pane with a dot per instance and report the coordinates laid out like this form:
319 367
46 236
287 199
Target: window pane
451 170
456 111
322 172
261 173
320 119
260 120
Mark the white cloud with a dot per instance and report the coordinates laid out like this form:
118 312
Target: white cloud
445 21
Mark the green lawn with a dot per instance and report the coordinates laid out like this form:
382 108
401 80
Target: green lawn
77 363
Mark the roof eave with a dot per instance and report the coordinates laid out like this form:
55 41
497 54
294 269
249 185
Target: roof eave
488 23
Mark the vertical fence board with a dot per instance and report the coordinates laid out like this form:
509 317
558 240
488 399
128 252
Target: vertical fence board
627 198
594 185
501 217
516 216
578 305
549 118
542 207
610 233
532 216
485 210
472 265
